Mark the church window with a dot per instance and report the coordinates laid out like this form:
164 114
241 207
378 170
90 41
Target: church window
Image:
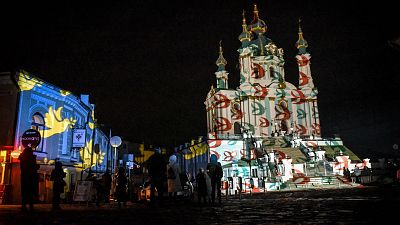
271 72
256 72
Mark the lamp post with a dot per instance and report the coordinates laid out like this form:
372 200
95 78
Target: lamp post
115 142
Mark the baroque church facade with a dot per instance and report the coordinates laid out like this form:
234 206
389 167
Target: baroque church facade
267 120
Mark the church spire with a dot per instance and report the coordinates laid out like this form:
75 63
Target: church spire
301 43
221 74
245 36
221 62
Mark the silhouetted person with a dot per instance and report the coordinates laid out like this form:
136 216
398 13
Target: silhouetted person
357 173
57 176
107 180
174 181
29 177
215 172
201 186
157 174
121 186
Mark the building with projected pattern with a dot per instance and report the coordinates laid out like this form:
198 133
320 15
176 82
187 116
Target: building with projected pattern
268 129
28 102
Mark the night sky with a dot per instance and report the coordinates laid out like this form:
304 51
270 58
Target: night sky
148 65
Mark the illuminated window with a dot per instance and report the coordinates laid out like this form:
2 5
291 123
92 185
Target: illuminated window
37 121
38 124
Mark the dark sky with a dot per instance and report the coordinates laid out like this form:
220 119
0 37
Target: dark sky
148 65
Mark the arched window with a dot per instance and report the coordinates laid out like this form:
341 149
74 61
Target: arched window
37 121
38 124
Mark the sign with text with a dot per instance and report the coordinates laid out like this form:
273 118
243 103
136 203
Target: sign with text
31 138
83 191
79 138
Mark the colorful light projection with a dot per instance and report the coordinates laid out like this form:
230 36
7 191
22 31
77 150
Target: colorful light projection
55 123
89 156
196 151
228 151
26 82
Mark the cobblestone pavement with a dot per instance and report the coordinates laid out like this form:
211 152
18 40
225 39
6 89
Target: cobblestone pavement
370 205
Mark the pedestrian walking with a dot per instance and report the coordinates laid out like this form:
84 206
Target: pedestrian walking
215 172
201 186
121 186
57 176
173 179
29 178
106 178
157 174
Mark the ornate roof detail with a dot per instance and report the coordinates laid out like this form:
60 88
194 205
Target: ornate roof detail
301 43
221 61
245 36
257 25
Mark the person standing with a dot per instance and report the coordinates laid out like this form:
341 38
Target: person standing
121 186
174 182
157 170
201 186
29 177
357 173
57 176
215 172
106 178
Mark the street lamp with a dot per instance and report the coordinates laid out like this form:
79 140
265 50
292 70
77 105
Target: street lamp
115 142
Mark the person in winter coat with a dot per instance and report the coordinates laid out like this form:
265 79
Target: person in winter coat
122 181
157 170
173 180
57 176
214 170
106 178
201 186
29 177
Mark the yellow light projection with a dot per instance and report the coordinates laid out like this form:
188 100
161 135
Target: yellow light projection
27 82
91 124
197 150
86 154
55 123
64 93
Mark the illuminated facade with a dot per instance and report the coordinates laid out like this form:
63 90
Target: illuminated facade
267 125
55 113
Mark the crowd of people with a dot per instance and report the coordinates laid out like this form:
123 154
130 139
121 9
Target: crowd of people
161 173
208 181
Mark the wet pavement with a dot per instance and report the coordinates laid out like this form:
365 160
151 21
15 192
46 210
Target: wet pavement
368 205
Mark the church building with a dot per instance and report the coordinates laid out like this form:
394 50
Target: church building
267 128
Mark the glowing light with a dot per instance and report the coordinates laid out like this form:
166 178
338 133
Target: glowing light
26 82
55 123
88 151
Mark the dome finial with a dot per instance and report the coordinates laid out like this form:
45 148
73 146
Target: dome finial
257 25
255 11
301 43
300 31
221 62
245 36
